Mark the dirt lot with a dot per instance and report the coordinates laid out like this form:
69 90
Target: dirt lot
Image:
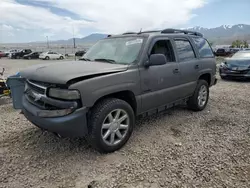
178 148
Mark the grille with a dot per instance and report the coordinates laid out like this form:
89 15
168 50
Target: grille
31 89
37 88
240 71
35 93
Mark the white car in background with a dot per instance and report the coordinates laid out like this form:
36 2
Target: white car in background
51 55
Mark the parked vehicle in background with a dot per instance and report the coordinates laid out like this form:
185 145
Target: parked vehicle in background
223 52
2 54
80 53
51 55
234 50
6 53
238 66
20 54
33 55
10 52
125 76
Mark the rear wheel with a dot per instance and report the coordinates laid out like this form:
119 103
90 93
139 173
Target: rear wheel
111 124
200 97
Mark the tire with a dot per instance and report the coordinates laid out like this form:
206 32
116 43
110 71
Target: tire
98 117
193 102
61 57
223 77
29 58
47 57
18 57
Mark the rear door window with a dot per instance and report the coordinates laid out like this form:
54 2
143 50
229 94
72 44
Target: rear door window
184 50
203 47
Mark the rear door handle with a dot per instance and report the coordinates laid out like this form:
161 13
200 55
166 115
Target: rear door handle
196 66
176 71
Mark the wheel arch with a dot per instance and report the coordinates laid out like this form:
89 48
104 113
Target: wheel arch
207 77
125 95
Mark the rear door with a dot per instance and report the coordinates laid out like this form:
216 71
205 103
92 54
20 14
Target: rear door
188 65
55 55
160 84
207 62
35 55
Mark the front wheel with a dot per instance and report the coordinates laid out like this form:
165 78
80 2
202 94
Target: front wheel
223 77
110 125
200 97
47 57
61 57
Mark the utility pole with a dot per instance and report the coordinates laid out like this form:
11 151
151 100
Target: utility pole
47 42
74 41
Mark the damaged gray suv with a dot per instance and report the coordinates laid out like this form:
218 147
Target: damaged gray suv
119 78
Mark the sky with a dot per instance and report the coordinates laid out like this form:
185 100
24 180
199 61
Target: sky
34 20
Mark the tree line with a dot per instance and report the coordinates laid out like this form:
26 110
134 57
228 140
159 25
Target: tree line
240 44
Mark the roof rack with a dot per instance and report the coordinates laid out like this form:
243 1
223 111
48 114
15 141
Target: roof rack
153 31
129 33
182 31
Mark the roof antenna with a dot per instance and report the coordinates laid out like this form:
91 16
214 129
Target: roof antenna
140 31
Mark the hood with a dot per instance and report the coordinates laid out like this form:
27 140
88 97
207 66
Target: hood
240 64
61 73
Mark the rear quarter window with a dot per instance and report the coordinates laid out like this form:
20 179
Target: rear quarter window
204 48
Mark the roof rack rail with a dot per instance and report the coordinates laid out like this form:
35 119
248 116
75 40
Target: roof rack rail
129 33
182 31
153 31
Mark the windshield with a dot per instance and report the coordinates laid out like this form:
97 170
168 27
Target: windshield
244 54
115 50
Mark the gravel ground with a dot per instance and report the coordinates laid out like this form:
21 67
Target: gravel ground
178 148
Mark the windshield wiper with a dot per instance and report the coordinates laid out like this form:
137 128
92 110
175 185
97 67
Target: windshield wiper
84 59
105 60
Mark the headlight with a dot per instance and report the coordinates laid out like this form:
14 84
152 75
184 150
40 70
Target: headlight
64 94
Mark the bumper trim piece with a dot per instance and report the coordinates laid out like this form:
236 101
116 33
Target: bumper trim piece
71 125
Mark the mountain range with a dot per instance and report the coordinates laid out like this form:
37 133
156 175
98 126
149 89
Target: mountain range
225 34
222 35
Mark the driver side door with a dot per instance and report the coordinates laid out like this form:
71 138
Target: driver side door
159 84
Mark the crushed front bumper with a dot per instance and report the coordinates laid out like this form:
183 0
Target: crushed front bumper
72 125
235 75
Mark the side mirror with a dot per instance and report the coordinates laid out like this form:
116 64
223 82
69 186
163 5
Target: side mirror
156 59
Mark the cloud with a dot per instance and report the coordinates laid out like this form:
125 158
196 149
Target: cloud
118 16
30 17
5 27
109 16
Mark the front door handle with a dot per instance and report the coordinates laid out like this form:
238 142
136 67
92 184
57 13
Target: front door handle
176 71
196 66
